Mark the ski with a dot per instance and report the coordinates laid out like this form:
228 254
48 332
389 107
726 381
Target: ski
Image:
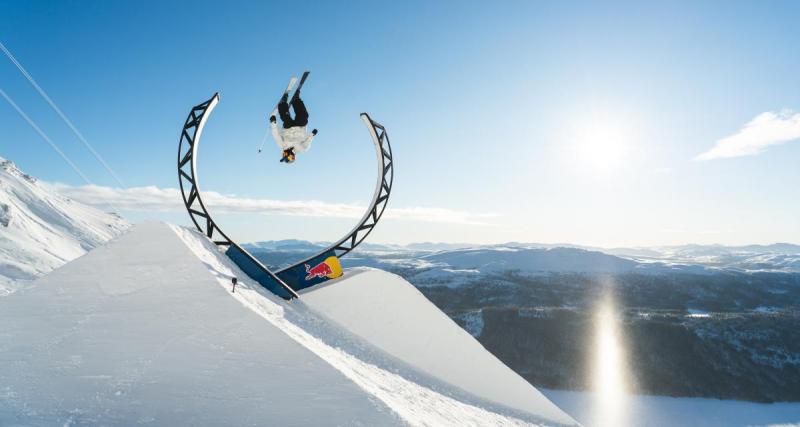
286 92
300 86
289 87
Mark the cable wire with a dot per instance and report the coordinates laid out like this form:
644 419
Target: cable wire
60 114
44 136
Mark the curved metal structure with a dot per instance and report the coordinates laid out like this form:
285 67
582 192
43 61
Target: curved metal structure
187 155
286 281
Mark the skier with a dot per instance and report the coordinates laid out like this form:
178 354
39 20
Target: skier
293 138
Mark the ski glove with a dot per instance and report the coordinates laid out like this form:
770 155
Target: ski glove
272 119
314 132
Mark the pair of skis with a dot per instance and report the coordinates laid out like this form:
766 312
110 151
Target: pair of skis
289 88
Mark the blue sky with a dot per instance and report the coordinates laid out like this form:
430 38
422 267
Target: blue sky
547 122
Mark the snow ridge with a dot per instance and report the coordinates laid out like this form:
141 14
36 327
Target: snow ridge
40 230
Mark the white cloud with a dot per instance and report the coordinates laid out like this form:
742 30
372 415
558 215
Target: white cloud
763 131
155 199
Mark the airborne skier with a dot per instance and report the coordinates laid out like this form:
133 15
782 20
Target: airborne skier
293 138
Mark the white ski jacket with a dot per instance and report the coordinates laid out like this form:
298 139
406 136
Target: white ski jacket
294 137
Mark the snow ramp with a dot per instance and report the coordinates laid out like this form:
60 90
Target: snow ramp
391 314
138 332
418 394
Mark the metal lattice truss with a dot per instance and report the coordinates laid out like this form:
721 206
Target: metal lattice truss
187 170
190 188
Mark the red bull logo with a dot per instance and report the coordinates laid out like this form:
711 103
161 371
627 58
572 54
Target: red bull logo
330 268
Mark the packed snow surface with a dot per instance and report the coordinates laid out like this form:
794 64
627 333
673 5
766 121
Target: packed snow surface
40 230
139 332
393 315
145 330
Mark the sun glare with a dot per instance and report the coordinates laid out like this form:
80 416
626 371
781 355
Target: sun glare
601 144
609 379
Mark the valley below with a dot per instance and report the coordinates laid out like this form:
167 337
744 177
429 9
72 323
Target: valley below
680 330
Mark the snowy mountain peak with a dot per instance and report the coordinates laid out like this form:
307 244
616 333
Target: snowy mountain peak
40 229
9 167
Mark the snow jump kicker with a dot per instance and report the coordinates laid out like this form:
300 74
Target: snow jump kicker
313 270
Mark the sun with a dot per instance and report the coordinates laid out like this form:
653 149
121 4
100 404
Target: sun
602 144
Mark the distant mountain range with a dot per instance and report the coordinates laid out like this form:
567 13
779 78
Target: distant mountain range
531 257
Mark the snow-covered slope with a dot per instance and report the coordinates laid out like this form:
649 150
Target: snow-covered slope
138 332
393 315
41 230
146 330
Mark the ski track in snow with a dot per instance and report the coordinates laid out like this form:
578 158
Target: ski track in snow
415 404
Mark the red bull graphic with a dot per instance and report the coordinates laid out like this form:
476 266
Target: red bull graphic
312 271
328 269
